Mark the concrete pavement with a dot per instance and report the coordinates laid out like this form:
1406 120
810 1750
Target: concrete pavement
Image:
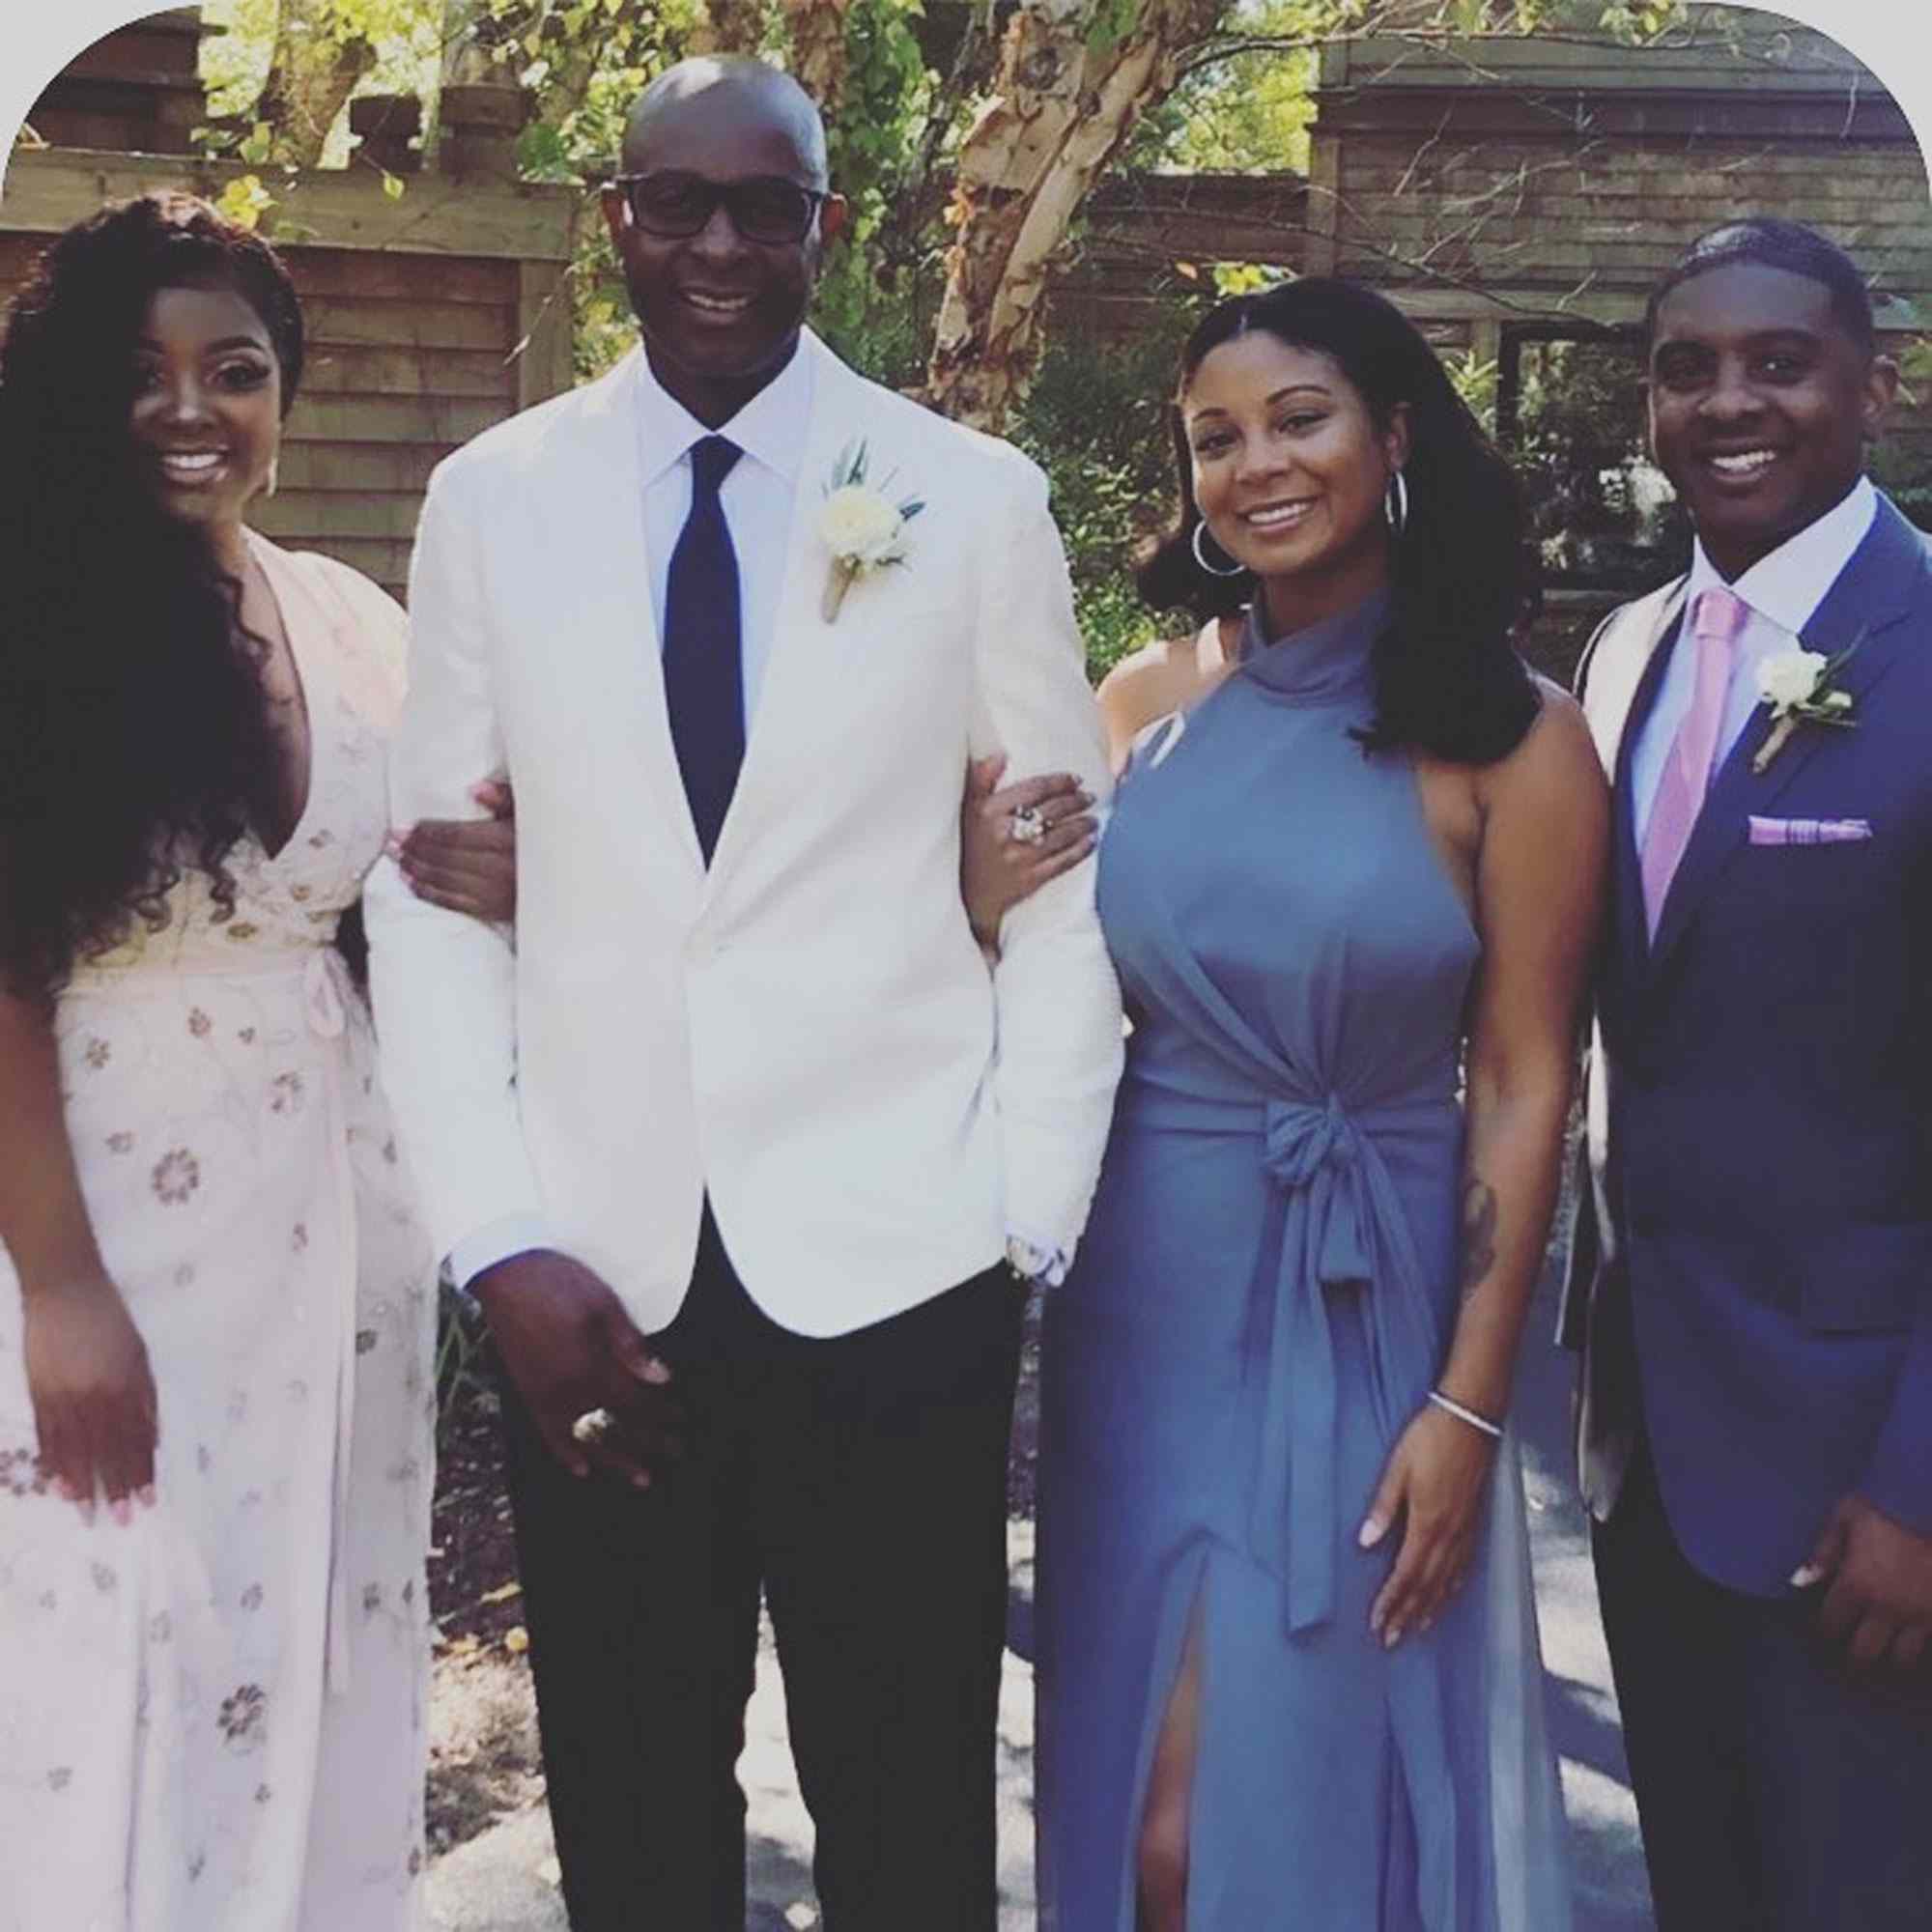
502 1881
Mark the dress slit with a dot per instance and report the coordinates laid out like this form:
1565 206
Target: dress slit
1186 1595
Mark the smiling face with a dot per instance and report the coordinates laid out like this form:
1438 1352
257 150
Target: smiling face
1289 471
721 313
207 416
1761 405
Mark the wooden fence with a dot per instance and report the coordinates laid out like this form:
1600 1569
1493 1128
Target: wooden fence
431 315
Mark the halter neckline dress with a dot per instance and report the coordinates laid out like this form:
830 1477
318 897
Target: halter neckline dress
1264 1295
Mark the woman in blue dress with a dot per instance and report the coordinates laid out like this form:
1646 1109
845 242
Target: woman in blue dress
1288 1659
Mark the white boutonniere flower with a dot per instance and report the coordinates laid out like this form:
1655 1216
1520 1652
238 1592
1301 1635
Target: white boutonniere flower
1797 684
860 525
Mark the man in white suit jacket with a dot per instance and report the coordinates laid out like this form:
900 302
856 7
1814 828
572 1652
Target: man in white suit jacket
739 1119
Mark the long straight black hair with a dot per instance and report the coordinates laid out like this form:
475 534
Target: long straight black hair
1448 680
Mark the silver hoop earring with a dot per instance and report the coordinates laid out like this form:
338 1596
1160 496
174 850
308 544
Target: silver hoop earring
1201 555
1395 502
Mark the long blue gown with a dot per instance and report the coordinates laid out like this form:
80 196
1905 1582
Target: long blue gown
1265 1293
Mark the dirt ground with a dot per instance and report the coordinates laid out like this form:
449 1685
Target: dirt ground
484 1757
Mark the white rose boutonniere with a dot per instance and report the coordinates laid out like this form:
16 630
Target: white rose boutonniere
1798 687
860 525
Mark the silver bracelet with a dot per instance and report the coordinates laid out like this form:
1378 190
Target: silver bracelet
1493 1429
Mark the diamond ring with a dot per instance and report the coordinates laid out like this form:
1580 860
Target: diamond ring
592 1427
1029 827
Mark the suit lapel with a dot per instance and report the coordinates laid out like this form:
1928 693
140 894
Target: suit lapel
1622 691
1864 605
615 627
1633 922
794 667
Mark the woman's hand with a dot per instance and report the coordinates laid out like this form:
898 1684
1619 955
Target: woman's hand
93 1394
996 870
1438 1480
465 865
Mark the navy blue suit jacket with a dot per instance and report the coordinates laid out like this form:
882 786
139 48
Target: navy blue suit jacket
1768 1068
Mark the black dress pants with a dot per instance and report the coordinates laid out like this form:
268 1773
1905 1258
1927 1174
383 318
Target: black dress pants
1775 1793
859 1483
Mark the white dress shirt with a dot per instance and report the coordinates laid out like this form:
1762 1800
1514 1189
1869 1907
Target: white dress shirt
1783 592
757 499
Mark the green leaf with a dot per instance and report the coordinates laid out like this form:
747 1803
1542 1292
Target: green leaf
244 201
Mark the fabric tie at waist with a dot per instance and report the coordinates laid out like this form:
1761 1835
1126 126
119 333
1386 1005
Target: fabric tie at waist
1315 1157
1344 1224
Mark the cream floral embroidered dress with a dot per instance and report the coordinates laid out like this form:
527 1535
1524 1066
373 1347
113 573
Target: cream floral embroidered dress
213 1719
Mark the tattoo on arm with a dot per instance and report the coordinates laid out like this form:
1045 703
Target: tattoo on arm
1479 1234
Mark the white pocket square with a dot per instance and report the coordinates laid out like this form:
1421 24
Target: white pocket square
1809 830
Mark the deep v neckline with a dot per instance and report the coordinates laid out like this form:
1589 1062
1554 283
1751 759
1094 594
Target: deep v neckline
310 738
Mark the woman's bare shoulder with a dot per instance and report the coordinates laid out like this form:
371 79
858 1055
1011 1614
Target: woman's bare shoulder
1158 678
1555 766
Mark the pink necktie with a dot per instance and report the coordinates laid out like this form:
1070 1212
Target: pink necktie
1717 622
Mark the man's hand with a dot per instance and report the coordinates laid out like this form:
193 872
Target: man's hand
1877 1602
570 1349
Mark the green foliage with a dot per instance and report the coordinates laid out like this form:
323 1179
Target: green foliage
1245 114
1245 278
1476 379
1903 470
233 63
1914 365
1110 22
244 201
874 143
1600 512
1096 419
1640 19
462 1345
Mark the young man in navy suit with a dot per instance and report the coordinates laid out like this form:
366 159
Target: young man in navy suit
1752 1278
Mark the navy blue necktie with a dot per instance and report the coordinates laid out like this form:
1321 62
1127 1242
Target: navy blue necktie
703 673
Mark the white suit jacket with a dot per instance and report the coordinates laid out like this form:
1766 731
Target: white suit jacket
806 1029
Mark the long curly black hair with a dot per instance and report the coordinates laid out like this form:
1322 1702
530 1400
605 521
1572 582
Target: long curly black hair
134 740
1448 680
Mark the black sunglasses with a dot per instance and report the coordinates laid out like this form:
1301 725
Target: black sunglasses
675 205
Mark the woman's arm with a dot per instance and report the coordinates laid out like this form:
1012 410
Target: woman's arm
87 1368
1539 889
465 865
996 871
1539 905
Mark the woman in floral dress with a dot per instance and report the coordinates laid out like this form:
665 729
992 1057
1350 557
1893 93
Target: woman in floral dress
216 1301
